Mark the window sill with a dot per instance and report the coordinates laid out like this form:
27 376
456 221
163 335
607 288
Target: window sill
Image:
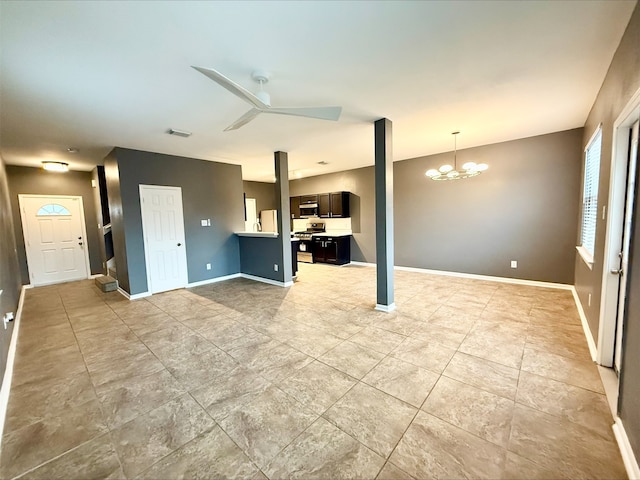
587 258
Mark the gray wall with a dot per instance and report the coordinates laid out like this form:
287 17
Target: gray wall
36 181
258 255
524 208
10 283
620 84
210 190
264 193
363 222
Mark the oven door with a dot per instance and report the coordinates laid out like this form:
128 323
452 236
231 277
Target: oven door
304 251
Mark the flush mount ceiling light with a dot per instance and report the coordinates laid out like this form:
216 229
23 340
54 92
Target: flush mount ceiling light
56 166
322 162
179 133
448 172
72 150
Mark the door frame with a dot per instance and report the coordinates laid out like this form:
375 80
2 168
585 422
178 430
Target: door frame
605 353
142 187
83 226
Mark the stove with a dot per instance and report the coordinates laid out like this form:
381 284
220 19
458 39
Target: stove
312 228
305 253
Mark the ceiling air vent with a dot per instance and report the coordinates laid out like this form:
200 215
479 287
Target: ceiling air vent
179 133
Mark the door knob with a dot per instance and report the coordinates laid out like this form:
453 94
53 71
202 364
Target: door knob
80 243
179 244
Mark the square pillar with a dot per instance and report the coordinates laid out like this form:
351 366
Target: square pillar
385 300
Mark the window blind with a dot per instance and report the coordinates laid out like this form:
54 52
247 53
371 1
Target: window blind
590 193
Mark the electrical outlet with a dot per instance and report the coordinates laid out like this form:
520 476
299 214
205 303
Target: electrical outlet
275 267
8 317
514 264
208 266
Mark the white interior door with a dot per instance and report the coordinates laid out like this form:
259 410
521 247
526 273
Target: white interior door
54 238
626 240
163 230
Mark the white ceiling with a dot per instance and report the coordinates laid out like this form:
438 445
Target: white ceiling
94 75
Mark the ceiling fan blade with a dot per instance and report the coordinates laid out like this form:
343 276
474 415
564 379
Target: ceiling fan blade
323 113
244 119
233 87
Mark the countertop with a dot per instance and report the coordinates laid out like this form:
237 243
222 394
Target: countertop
257 234
262 235
333 234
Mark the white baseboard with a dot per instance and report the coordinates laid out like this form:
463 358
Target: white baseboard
489 278
628 457
593 350
135 296
8 372
385 308
213 280
266 280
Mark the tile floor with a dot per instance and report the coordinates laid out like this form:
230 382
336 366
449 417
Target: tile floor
467 379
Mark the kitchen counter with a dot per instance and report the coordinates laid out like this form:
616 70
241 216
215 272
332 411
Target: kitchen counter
333 234
257 234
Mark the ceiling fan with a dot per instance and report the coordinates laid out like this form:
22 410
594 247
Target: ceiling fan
261 101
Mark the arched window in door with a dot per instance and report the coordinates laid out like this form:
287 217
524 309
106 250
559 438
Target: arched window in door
53 209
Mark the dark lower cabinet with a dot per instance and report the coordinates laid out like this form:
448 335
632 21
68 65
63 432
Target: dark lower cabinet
336 250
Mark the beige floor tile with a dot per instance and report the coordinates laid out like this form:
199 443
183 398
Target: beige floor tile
352 359
483 374
478 412
124 400
209 456
377 339
152 436
576 404
519 468
317 386
94 459
35 401
391 472
372 417
580 373
31 445
432 448
267 424
570 449
402 380
231 391
424 353
323 451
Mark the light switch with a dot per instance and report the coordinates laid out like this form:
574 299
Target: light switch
204 223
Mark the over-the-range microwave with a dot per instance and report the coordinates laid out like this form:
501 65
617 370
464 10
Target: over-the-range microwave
308 210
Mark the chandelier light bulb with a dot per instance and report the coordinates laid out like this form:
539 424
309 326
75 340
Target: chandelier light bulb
448 172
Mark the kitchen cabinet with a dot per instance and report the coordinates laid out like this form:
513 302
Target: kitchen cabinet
335 250
333 205
294 205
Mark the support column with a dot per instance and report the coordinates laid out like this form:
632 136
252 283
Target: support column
284 214
384 215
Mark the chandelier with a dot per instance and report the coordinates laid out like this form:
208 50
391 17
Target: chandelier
448 172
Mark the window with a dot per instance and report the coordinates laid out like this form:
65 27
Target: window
53 209
590 197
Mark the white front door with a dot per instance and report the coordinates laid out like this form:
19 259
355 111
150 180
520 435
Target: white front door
626 238
54 238
163 230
